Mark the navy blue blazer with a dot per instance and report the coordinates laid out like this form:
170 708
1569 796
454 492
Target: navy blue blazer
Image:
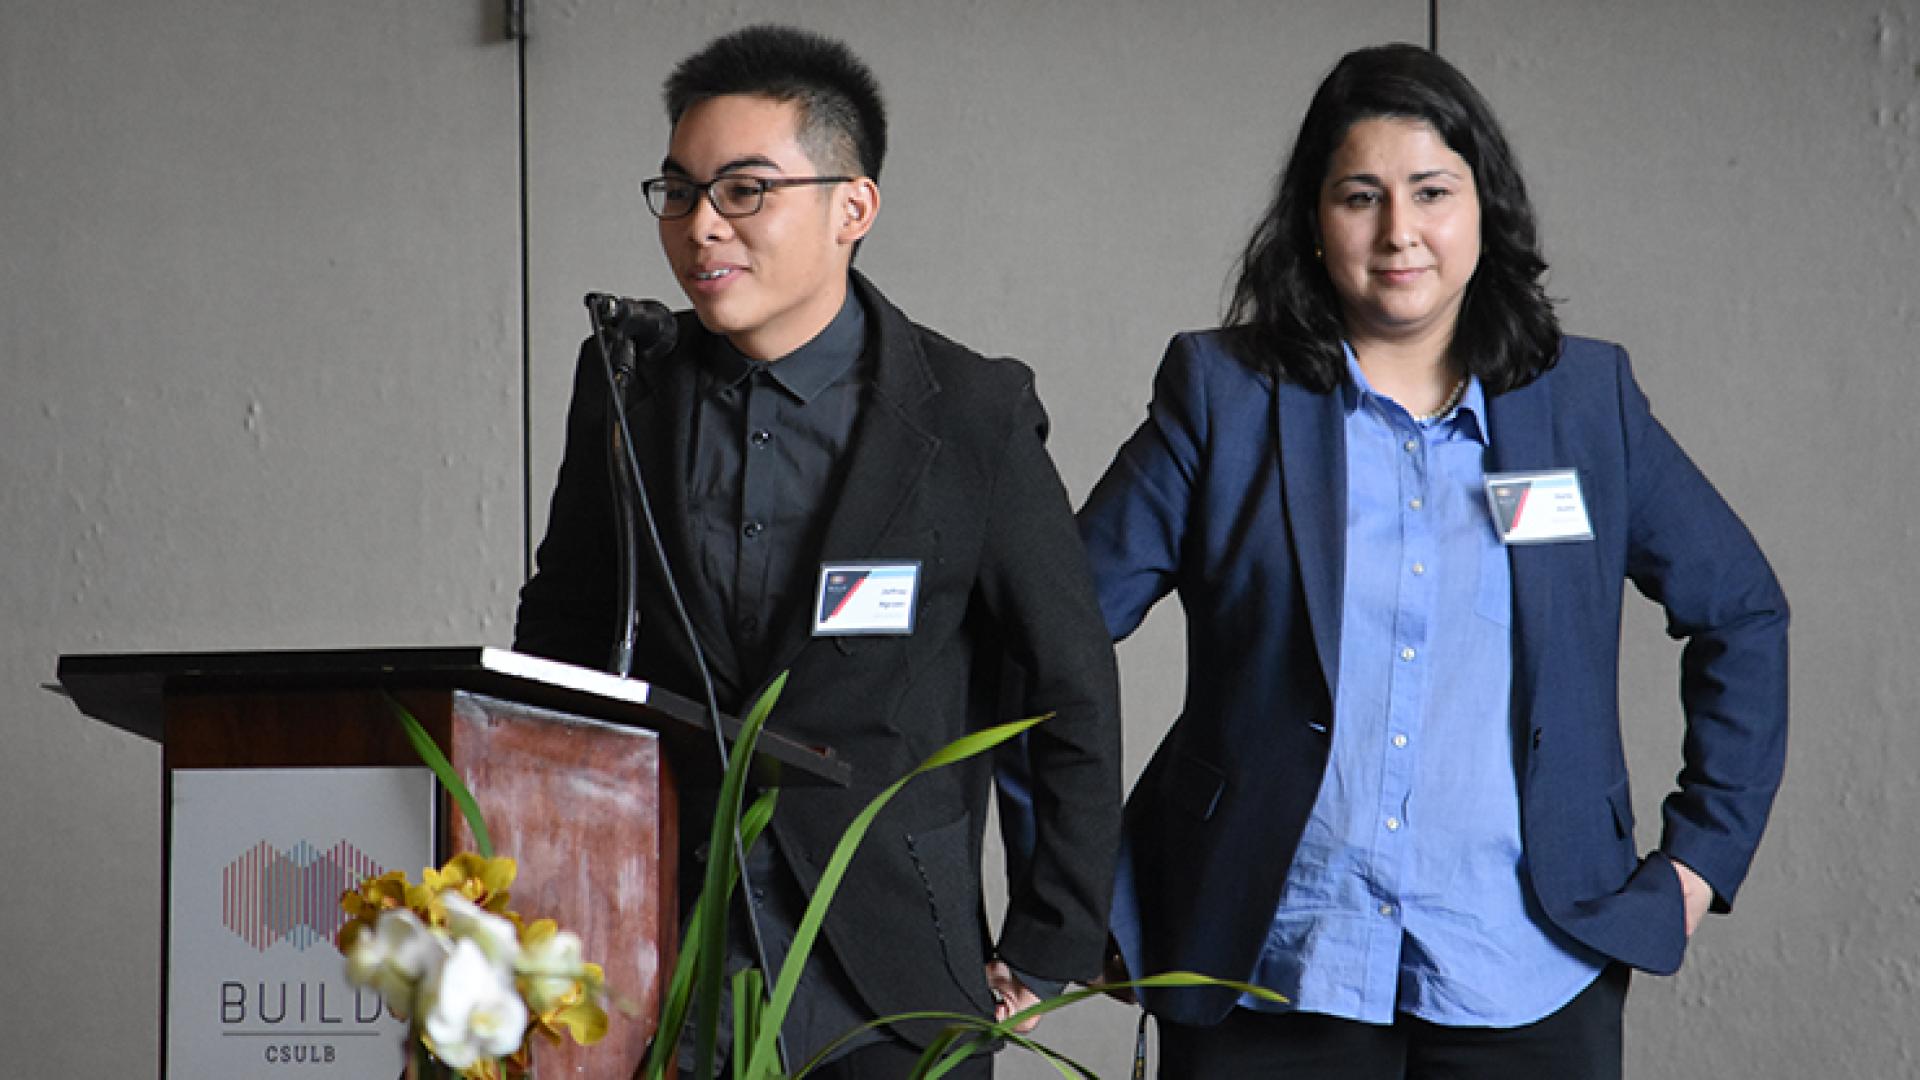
1232 493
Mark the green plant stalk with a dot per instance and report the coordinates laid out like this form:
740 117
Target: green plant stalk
993 1030
957 1026
764 1054
749 991
709 979
449 778
679 997
934 1065
701 967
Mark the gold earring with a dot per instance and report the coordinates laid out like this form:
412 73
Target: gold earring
1318 254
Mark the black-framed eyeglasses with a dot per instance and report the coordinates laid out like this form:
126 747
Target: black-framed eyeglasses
671 197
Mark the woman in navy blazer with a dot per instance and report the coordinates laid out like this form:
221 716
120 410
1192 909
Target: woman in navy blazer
1438 867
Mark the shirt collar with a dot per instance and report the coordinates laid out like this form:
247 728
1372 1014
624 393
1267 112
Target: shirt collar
809 369
1469 414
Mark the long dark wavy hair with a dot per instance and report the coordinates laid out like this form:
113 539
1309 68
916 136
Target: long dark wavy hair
1285 315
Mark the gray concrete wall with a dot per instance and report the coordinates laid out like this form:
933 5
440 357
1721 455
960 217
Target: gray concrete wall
260 322
260 310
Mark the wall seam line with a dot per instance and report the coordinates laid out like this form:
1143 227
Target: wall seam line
526 321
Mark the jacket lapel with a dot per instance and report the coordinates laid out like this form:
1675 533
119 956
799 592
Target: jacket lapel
1520 425
1313 467
893 446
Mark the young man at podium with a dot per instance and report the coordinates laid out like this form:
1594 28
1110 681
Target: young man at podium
849 497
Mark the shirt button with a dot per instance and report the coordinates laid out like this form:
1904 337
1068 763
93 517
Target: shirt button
1415 503
1387 910
750 624
1410 445
1400 742
1419 568
1393 824
752 529
1405 654
762 437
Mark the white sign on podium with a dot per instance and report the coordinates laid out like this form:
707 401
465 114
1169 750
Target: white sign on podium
256 987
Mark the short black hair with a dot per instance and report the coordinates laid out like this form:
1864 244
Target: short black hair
1285 312
843 122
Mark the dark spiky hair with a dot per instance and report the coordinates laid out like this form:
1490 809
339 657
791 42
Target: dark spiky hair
843 123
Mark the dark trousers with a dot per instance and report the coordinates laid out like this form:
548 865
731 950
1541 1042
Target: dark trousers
1579 1042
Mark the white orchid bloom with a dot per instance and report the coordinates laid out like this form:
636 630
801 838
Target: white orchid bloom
395 958
552 968
470 1009
496 937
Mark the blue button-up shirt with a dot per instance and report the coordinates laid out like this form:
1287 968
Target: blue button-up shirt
1405 893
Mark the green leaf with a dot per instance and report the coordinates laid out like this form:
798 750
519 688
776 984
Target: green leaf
673 1010
959 1025
943 1055
717 889
935 1051
1062 1064
815 1061
1162 981
443 769
749 992
764 1053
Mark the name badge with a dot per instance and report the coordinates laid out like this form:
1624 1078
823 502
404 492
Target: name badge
1538 507
866 598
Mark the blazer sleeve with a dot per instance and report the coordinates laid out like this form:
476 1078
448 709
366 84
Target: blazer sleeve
1688 552
1034 585
567 609
1135 519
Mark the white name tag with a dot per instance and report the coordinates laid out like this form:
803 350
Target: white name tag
866 598
1538 507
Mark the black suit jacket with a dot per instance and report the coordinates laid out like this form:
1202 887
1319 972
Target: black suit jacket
947 467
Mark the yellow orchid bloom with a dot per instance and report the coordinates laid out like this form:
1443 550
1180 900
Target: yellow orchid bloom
562 992
483 881
388 892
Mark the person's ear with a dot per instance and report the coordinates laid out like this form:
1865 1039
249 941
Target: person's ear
859 205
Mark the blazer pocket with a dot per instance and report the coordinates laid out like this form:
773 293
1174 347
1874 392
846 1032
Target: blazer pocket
1620 801
1620 810
940 857
1198 786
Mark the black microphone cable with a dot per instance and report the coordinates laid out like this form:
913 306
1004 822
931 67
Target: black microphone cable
651 318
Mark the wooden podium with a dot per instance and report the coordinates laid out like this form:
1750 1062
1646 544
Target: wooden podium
576 772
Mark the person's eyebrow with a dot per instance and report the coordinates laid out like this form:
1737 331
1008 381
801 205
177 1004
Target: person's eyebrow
751 161
1417 178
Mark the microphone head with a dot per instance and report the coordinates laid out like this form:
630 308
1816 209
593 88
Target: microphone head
648 324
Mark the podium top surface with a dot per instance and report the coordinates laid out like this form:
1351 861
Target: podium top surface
128 691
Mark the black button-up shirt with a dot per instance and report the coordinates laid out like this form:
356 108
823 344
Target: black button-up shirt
769 442
769 445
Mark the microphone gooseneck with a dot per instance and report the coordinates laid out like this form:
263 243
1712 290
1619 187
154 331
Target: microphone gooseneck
629 333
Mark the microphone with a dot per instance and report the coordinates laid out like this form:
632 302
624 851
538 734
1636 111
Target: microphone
630 332
648 324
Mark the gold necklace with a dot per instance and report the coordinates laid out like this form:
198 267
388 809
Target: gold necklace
1453 398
